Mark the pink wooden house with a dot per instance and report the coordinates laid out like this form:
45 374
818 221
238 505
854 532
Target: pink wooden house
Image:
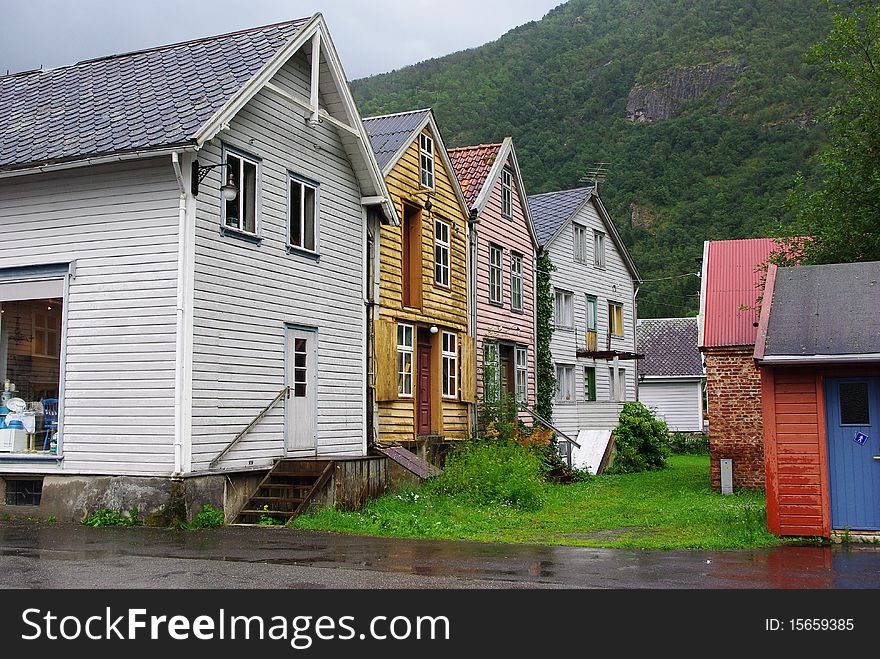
504 266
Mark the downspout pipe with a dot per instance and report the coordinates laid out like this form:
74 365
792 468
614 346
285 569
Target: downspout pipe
472 300
180 357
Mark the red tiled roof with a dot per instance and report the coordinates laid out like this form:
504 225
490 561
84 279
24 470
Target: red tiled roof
472 165
733 286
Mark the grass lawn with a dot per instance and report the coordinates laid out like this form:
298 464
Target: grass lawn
668 509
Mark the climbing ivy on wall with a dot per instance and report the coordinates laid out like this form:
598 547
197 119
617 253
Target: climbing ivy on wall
546 372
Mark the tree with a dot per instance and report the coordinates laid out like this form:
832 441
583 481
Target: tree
546 371
839 221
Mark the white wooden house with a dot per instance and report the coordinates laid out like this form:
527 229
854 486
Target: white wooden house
594 288
170 316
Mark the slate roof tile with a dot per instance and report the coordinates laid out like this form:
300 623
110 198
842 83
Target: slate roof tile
669 346
551 210
389 132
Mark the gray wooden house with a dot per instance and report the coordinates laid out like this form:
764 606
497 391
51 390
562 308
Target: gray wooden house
185 232
594 288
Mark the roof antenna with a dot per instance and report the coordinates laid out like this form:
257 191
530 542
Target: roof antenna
596 174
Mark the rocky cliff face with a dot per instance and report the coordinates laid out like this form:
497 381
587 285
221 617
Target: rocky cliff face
663 98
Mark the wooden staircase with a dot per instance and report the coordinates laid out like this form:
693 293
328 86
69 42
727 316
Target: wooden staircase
286 491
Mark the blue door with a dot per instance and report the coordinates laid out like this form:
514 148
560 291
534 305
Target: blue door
852 412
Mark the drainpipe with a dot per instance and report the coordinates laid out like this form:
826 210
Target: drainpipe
179 370
635 337
472 300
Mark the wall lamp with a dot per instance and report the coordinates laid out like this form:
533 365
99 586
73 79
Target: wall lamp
228 192
434 329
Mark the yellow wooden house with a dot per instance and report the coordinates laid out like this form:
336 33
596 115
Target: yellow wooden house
423 381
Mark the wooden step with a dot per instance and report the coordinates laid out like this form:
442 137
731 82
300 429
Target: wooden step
276 499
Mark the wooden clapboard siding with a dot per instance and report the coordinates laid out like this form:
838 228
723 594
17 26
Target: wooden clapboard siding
679 402
794 452
246 293
445 307
119 223
613 283
501 322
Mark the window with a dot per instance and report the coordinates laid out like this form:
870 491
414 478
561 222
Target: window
564 383
598 249
615 319
580 243
617 388
506 193
302 218
450 365
491 372
46 333
300 367
426 160
240 214
854 404
589 383
441 253
516 282
495 257
563 309
592 314
522 371
404 360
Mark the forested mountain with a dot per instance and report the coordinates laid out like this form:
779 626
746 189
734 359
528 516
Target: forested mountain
703 110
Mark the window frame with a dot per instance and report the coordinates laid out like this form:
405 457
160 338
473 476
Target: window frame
556 319
292 178
506 194
491 349
616 384
592 323
47 331
579 239
243 156
449 365
438 246
559 390
496 270
611 323
598 249
427 167
516 257
521 370
404 349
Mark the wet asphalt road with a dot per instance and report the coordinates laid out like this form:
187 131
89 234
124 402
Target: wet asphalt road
74 556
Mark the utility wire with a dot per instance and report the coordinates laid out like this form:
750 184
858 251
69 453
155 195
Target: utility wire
687 274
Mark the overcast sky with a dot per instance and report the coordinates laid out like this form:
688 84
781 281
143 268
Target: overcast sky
372 36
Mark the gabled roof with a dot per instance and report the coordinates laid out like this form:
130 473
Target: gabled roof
135 101
552 210
821 313
731 286
472 166
669 346
391 133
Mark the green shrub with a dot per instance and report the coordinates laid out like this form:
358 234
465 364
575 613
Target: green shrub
486 472
107 517
209 518
641 441
689 443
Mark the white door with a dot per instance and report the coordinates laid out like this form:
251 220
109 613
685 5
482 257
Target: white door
302 363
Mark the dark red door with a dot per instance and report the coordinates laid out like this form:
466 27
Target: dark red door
423 390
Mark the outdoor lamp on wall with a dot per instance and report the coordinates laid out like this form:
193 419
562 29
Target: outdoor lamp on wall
434 329
228 192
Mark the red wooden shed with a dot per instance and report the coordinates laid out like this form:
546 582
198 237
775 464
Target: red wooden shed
818 353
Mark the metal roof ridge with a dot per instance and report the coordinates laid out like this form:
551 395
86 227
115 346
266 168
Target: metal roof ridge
395 114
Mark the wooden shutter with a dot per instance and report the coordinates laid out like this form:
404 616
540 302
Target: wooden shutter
468 370
385 340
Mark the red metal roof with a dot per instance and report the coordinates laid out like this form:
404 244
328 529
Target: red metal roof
472 165
734 270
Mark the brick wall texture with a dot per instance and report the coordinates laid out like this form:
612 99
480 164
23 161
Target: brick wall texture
734 409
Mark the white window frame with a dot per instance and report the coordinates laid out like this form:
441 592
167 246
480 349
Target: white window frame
521 358
442 248
610 317
565 383
516 281
449 373
598 249
238 177
316 188
566 311
496 277
507 194
47 333
405 349
579 233
426 160
616 384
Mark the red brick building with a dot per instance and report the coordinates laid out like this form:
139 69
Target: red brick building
729 305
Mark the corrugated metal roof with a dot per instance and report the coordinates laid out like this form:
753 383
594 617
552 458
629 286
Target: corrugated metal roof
131 102
669 346
825 310
388 133
551 209
734 272
472 165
